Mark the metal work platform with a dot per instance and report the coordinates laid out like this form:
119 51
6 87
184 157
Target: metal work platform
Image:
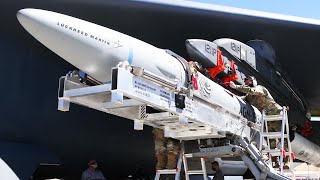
183 113
131 96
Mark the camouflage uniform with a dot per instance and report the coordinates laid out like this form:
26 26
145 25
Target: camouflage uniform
166 150
260 97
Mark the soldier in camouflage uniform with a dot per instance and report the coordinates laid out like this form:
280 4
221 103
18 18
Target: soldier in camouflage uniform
166 150
260 97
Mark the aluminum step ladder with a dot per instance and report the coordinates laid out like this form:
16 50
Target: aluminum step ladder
176 171
282 135
183 159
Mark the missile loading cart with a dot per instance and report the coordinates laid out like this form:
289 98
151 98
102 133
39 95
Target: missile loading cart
130 96
201 109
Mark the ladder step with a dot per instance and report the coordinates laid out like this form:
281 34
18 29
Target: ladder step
188 155
194 172
273 118
274 152
274 135
167 171
283 118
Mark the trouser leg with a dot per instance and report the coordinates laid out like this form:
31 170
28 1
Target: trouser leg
160 148
173 150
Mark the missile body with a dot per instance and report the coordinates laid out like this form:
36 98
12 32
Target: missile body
234 56
305 150
93 48
96 50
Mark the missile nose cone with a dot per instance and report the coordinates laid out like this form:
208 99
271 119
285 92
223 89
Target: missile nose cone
24 16
30 19
190 41
81 43
21 14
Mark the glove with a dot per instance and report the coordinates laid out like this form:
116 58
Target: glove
232 85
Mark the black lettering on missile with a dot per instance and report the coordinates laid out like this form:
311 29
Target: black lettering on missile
164 94
143 86
117 44
188 107
234 47
146 94
210 49
92 36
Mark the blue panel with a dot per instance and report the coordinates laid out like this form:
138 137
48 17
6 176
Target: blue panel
130 58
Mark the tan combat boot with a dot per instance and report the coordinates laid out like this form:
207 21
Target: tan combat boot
172 161
276 161
161 161
286 163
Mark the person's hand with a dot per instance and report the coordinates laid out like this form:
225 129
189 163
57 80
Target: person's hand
232 85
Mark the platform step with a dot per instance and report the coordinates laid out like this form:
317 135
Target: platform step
167 171
191 172
274 152
188 155
274 135
273 118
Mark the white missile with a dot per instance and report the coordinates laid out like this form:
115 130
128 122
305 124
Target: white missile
305 150
95 49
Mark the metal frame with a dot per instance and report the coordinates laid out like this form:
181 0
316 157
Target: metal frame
276 135
127 94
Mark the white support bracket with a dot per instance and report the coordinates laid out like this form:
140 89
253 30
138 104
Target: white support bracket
138 125
63 105
116 97
183 119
